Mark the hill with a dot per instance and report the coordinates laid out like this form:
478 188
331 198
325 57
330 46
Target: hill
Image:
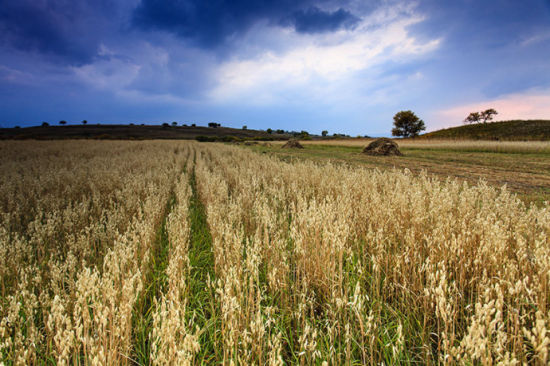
507 130
133 132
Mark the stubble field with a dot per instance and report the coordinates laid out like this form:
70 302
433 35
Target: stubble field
171 252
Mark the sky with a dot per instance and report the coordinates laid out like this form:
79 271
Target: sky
345 66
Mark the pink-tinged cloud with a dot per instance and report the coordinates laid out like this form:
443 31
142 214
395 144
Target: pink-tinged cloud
509 107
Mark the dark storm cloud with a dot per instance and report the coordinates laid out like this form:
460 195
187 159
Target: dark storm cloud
211 23
67 31
315 20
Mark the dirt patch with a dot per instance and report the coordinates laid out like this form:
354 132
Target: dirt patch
382 146
292 144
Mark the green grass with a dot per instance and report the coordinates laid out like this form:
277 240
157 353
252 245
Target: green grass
156 281
202 303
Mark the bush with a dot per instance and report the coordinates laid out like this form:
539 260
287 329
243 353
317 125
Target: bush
230 139
202 138
45 124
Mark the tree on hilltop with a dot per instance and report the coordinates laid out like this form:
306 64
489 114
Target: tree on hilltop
487 115
483 116
473 117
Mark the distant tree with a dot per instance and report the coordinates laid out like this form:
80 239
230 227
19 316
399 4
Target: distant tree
184 125
324 133
165 124
45 124
213 124
174 123
483 116
193 125
245 127
487 115
407 124
62 122
473 117
269 130
84 122
280 131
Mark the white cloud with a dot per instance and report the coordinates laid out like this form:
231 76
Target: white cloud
109 74
530 105
314 62
12 75
536 38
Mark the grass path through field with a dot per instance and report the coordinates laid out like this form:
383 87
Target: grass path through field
202 304
156 280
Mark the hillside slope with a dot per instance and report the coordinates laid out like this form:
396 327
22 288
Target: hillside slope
133 132
506 130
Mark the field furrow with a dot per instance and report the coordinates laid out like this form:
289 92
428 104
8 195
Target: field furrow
202 309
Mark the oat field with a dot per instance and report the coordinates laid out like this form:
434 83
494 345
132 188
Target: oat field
172 252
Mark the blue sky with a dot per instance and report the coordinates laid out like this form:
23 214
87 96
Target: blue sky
344 66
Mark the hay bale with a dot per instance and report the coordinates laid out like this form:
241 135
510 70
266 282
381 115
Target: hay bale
292 144
382 146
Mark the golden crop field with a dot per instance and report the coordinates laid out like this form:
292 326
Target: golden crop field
172 252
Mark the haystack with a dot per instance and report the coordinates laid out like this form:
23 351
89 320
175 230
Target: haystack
292 144
382 146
